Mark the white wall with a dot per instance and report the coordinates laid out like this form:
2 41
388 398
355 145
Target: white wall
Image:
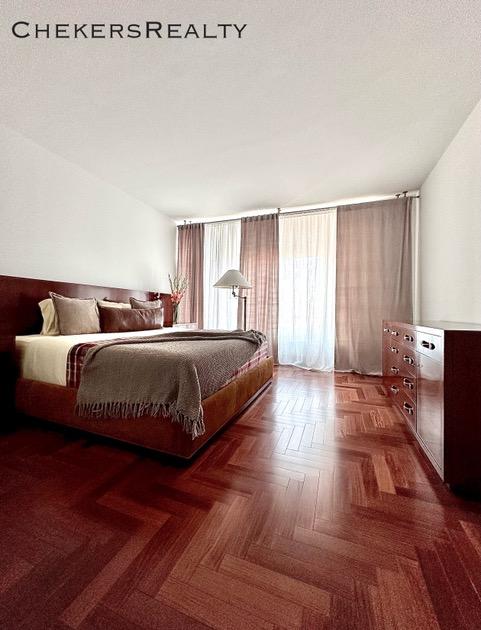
58 222
450 230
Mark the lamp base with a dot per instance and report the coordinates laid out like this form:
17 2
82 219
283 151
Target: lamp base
244 320
244 313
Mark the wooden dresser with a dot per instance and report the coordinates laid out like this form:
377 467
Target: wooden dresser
432 372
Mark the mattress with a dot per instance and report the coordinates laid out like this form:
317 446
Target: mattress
59 360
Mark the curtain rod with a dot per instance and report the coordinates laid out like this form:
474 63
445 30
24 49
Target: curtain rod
305 210
351 203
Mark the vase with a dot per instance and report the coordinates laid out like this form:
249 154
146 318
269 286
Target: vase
175 313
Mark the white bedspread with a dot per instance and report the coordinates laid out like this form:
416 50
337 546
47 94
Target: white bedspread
44 358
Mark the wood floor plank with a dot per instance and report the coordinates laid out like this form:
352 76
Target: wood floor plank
153 614
208 609
346 548
314 510
93 594
447 612
200 544
313 574
13 571
278 584
279 611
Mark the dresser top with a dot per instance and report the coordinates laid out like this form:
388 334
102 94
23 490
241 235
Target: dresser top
440 325
448 325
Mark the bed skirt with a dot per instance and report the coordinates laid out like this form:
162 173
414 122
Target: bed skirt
56 403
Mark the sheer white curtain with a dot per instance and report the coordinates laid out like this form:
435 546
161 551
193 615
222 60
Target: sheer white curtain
307 289
221 252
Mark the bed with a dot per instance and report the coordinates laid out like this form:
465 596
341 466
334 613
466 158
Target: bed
49 371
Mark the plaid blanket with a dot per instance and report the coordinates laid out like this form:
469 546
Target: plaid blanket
76 360
162 375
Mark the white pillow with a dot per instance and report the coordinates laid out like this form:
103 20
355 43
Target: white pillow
113 304
50 320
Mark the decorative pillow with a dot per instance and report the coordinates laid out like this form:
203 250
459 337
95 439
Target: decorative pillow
50 321
141 304
112 304
76 316
127 320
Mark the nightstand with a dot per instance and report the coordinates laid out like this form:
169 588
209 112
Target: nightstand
186 326
7 377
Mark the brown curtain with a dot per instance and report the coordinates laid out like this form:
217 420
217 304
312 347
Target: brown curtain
259 263
190 263
373 279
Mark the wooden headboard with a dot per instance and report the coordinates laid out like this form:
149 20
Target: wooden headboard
19 298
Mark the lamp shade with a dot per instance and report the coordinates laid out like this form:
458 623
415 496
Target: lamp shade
232 278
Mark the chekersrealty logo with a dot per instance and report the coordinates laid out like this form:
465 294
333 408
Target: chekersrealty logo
145 30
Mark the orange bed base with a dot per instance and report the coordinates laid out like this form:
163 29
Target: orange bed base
56 404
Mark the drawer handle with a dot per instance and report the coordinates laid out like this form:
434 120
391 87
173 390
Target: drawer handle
408 359
395 370
428 344
386 330
408 338
408 383
409 408
394 389
393 349
394 333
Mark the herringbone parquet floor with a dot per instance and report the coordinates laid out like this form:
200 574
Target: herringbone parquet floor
314 510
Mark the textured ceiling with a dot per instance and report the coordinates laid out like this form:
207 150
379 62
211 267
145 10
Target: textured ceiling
319 100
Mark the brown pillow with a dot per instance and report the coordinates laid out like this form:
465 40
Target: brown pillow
141 304
112 303
129 319
76 316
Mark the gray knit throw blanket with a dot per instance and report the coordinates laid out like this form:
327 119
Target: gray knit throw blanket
162 375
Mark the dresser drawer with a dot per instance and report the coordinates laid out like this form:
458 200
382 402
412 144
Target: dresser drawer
388 334
408 387
407 406
395 332
400 353
407 362
394 387
399 332
396 365
408 338
430 345
392 348
396 369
